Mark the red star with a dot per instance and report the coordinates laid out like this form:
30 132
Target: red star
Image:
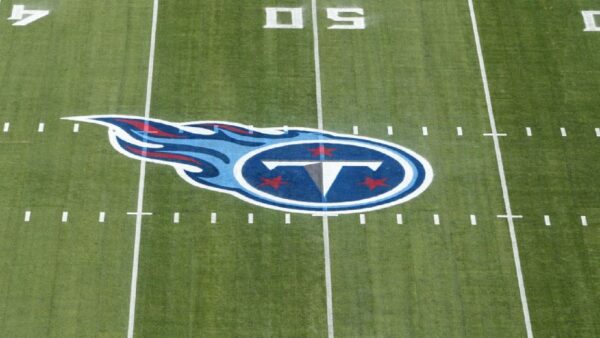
321 150
373 183
274 183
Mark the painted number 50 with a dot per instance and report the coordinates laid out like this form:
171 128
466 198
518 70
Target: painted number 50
293 18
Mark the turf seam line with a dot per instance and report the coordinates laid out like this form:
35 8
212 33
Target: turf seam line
509 218
142 178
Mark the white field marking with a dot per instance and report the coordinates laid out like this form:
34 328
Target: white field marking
142 178
101 217
213 218
425 131
250 218
286 129
390 130
459 131
362 219
288 219
473 220
584 221
136 213
547 220
41 127
6 127
176 218
399 219
509 214
563 132
24 17
496 134
76 127
27 216
597 132
436 219
528 131
355 130
319 99
589 18
356 22
65 217
272 18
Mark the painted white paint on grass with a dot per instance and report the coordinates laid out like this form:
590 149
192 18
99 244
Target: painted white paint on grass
27 216
459 131
176 218
597 132
101 217
250 218
528 131
547 220
213 218
563 132
6 127
362 219
41 127
288 219
390 130
584 221
76 127
275 17
473 220
65 217
501 173
351 22
436 219
399 219
24 17
425 131
591 19
355 130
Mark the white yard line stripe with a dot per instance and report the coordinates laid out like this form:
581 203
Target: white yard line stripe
509 218
327 258
142 179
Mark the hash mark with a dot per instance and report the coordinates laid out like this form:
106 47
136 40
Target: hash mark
250 218
355 130
459 131
288 219
76 127
65 216
425 131
213 217
362 219
547 220
41 127
399 219
390 130
563 132
528 131
101 217
27 216
597 132
176 218
584 221
436 219
473 220
6 127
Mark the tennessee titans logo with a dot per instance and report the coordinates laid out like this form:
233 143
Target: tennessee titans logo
290 169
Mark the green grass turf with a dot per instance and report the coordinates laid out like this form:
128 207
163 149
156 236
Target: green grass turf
415 65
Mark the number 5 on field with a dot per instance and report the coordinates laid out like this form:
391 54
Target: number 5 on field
293 18
24 17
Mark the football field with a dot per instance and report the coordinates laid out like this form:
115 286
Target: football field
500 98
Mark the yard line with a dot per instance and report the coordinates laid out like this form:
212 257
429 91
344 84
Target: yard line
65 217
425 131
288 219
6 127
584 221
436 219
142 178
459 131
27 216
399 219
528 131
563 132
362 219
547 220
327 258
390 130
41 127
101 217
250 218
176 218
509 218
473 220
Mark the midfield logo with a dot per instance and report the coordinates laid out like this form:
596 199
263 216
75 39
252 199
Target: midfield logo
290 169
